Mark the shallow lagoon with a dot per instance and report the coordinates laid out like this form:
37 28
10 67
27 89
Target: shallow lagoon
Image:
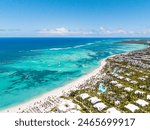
30 67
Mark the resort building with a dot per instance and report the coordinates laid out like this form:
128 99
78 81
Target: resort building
142 103
132 107
100 106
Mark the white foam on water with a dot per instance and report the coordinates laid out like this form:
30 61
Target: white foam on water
55 49
77 46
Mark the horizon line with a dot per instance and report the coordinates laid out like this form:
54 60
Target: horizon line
65 37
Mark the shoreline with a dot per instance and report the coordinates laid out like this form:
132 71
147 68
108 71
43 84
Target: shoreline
74 85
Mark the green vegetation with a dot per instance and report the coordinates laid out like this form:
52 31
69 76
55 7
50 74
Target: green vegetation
130 73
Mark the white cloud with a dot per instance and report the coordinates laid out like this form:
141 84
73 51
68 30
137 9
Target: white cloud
61 30
146 31
10 30
106 31
102 31
65 31
120 31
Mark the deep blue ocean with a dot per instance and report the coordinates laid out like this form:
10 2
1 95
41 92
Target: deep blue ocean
30 67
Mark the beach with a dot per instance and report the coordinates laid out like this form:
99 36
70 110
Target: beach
74 85
38 81
40 102
39 69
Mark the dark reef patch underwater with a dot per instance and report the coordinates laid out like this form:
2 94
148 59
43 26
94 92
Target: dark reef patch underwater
32 66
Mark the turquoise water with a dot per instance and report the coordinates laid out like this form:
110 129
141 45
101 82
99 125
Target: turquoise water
28 70
102 88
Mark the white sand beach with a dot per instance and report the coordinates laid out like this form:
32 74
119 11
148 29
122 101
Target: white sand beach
57 92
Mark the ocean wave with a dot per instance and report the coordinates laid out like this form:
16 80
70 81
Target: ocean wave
78 46
82 45
91 43
36 50
67 48
55 49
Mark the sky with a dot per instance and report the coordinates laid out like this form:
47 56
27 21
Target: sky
74 18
